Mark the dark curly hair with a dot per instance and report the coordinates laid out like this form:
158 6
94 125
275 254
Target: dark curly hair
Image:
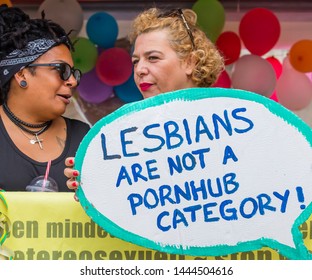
17 29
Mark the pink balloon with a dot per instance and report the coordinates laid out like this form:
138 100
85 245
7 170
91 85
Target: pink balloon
293 88
114 66
68 14
255 74
224 80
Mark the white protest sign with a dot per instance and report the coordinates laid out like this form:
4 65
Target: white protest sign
200 172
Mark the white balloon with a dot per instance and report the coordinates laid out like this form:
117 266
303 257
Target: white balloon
67 13
255 74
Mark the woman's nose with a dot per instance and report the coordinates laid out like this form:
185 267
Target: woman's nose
141 69
71 82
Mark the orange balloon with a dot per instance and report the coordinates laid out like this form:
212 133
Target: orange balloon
300 56
8 2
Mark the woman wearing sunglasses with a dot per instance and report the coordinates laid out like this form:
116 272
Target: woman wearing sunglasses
170 52
37 80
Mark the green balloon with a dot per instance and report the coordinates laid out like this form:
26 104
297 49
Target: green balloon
85 54
210 17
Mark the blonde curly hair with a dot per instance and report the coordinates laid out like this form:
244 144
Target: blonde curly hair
193 41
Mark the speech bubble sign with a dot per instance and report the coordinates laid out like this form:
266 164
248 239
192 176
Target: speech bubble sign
200 172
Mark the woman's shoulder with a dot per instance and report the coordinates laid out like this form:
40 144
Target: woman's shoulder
75 124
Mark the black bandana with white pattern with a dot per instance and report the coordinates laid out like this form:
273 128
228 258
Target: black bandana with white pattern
20 58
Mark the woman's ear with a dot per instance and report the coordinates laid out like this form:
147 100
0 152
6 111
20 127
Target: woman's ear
21 79
190 63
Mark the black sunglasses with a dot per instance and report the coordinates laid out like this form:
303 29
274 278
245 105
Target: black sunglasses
64 69
179 13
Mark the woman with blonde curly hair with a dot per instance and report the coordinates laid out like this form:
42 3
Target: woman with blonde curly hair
170 52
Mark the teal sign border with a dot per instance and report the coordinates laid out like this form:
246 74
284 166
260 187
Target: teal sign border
300 252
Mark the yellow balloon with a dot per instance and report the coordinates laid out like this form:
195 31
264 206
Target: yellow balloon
8 2
300 56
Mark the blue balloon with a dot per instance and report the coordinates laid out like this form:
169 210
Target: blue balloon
102 29
128 91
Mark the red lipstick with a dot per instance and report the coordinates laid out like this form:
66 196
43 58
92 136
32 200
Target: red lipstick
145 86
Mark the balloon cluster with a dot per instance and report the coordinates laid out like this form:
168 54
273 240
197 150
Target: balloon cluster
259 30
107 69
108 73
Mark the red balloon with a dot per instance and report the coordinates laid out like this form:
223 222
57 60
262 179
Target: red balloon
274 96
259 30
229 44
224 80
277 66
114 66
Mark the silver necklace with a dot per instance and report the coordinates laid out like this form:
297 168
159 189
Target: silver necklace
36 139
23 127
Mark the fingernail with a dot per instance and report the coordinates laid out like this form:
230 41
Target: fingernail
71 161
76 198
74 184
75 173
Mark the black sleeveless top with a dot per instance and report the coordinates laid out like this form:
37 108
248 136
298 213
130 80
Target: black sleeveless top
17 170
